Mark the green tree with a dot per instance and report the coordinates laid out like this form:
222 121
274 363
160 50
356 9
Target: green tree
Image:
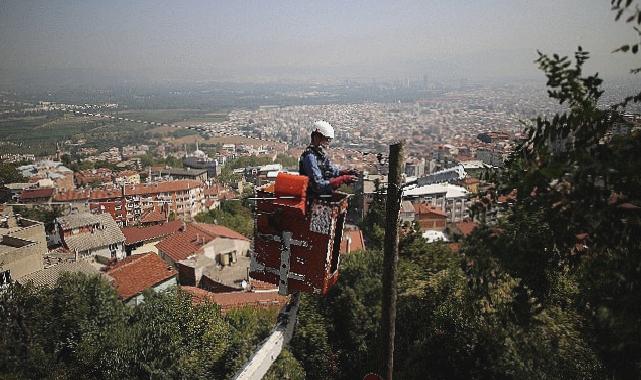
578 171
147 160
286 367
80 329
9 174
373 225
66 160
232 214
286 160
45 214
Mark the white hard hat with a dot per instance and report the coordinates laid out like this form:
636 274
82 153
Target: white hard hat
324 128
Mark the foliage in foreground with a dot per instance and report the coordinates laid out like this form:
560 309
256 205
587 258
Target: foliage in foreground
445 327
550 293
80 329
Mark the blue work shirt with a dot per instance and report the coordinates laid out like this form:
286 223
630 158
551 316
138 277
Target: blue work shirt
318 167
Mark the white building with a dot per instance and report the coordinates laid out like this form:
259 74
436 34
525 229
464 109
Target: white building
448 197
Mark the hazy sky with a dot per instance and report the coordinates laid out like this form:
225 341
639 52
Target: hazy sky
244 40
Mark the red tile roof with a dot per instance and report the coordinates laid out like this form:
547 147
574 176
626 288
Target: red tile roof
232 300
142 234
227 194
162 187
73 195
261 285
425 209
136 273
153 215
181 245
357 242
36 193
211 191
94 175
454 247
95 195
466 228
106 194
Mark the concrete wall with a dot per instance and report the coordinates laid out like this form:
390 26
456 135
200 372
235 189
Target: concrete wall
147 247
103 254
21 257
210 285
106 252
222 245
24 249
33 231
163 286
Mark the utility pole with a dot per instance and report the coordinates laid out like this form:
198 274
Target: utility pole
390 259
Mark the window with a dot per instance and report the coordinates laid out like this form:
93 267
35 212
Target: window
5 278
113 248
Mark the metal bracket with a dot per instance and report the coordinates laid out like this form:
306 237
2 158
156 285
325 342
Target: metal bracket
283 272
284 262
300 243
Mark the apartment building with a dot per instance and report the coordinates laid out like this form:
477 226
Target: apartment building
127 205
184 197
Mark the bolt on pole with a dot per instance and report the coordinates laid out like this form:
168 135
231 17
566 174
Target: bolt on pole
390 259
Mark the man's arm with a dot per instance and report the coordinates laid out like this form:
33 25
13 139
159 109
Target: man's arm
319 185
335 170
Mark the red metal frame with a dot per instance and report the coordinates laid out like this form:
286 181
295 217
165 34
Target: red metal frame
296 242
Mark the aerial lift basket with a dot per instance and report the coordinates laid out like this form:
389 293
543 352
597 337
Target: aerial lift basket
297 240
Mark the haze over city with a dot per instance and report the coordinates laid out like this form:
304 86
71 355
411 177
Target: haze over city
255 41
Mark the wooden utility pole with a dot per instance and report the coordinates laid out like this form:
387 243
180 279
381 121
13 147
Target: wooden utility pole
390 260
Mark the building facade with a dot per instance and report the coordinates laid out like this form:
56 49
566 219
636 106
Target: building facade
91 237
23 244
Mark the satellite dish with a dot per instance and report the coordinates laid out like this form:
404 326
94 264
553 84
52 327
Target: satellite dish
244 284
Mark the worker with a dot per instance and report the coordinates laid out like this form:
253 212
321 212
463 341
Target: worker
323 175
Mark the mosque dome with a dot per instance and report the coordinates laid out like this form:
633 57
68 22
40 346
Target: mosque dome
199 153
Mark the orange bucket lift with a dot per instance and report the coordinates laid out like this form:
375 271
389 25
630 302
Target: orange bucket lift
296 239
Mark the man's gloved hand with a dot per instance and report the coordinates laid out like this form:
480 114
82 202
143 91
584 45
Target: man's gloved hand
352 172
336 182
